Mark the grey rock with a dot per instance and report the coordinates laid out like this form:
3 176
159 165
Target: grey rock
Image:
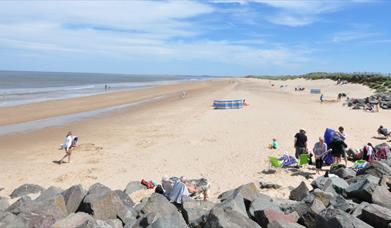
357 211
235 202
134 186
78 220
220 217
269 215
341 203
345 173
9 220
386 181
15 208
158 204
4 204
105 204
25 190
33 219
317 206
260 204
248 191
110 223
73 197
278 224
382 196
335 218
362 190
195 211
338 184
124 198
376 216
285 205
324 197
269 185
49 193
319 182
377 169
174 220
299 193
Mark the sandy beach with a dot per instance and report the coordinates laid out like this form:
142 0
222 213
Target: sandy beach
181 136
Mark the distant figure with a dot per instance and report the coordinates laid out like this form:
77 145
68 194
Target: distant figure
106 88
383 131
274 144
368 152
245 103
183 94
70 142
321 98
300 143
320 150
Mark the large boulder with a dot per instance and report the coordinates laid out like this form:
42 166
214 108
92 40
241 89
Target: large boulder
335 218
134 186
248 191
222 217
376 216
324 197
111 223
15 208
49 193
25 190
337 184
105 204
382 196
260 204
386 181
357 211
377 169
319 182
78 220
299 193
9 220
158 204
173 220
341 203
344 173
73 197
196 211
235 202
124 198
361 190
270 215
4 204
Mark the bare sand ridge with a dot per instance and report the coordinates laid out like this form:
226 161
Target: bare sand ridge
182 136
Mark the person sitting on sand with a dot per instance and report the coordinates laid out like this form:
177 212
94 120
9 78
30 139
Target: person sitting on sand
383 131
300 143
180 189
274 144
319 150
70 142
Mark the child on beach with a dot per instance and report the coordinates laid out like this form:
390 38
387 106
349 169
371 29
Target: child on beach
274 144
70 142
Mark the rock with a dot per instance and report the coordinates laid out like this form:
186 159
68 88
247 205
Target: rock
278 224
338 184
377 169
9 220
174 220
335 218
382 196
260 204
324 197
49 193
376 216
33 219
15 208
134 186
341 203
345 173
105 204
73 197
319 182
110 223
25 190
269 215
362 190
126 200
356 212
235 202
307 215
371 179
3 204
158 204
285 205
317 206
269 185
299 193
248 191
78 220
386 181
196 211
220 217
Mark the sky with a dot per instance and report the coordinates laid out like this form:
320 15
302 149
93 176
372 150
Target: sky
216 37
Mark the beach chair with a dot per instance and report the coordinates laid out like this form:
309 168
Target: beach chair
274 162
303 159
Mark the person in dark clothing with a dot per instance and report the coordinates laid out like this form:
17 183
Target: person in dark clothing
383 131
337 149
300 143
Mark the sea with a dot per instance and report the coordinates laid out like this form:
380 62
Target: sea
23 87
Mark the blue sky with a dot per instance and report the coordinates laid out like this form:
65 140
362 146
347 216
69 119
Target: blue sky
217 37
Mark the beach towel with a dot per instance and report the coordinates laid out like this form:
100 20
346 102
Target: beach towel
287 160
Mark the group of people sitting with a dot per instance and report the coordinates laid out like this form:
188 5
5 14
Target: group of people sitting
175 189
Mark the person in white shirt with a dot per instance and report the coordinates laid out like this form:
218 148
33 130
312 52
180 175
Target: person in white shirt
68 145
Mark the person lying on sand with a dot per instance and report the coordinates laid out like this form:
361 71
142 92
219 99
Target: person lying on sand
70 142
175 189
383 131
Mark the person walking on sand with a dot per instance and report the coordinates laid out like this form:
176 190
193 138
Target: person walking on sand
69 143
300 143
321 98
320 150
